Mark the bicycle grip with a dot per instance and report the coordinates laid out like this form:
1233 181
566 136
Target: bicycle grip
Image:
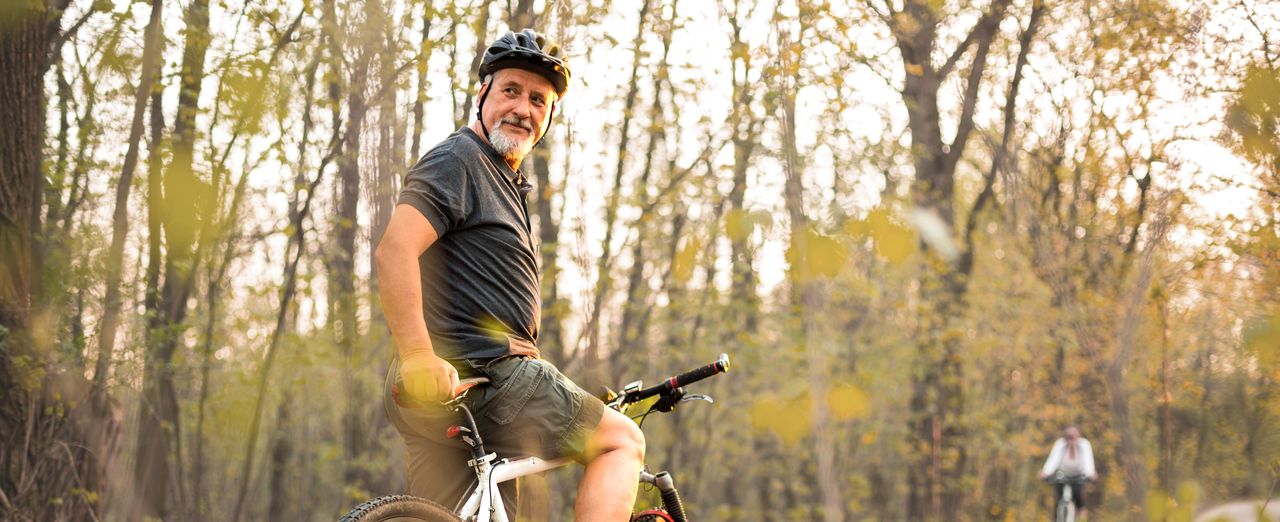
698 374
689 377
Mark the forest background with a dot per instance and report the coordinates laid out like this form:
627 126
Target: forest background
930 233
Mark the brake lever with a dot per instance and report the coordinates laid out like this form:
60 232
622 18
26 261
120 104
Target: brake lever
697 397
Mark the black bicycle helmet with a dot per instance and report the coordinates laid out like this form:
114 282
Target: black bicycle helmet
530 51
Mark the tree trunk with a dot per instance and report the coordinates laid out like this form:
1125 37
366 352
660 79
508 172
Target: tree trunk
185 207
593 366
745 304
425 49
120 217
937 403
636 304
342 265
278 489
551 331
809 297
481 29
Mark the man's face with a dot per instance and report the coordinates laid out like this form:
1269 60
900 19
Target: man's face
516 111
1072 434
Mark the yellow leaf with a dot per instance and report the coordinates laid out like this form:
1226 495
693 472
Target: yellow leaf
737 225
1262 337
848 401
790 420
686 260
893 241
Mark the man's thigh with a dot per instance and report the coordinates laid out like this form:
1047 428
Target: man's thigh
530 408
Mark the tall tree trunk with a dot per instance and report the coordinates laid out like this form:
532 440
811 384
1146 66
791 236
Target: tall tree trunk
150 472
342 265
937 403
593 365
634 307
278 487
33 415
481 30
185 207
808 295
744 303
425 49
120 217
551 331
521 16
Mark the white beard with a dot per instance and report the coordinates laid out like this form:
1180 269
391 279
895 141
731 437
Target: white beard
509 147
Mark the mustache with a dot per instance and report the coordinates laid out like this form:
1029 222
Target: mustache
523 123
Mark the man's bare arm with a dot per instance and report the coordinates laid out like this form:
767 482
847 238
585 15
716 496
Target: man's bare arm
408 235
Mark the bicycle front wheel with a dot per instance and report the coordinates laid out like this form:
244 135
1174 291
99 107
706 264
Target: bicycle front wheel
1066 511
399 508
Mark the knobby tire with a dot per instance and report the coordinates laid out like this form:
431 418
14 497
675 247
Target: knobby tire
399 508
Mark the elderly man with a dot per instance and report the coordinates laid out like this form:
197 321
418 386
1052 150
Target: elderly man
460 290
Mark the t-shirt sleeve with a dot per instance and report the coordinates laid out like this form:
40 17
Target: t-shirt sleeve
438 187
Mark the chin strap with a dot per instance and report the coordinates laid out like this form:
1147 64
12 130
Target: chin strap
480 110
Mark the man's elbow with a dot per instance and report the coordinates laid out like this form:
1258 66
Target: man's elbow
387 251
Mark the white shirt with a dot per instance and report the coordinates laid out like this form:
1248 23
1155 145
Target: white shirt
1079 464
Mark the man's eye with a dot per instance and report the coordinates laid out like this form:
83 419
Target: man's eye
509 90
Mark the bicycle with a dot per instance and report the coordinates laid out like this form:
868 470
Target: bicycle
1065 510
483 503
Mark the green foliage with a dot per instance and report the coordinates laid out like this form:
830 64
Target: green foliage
1254 117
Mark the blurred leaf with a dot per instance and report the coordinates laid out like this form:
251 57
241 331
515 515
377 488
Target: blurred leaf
790 420
738 225
848 401
1262 337
686 260
815 255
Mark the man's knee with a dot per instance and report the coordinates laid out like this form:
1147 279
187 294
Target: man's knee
616 433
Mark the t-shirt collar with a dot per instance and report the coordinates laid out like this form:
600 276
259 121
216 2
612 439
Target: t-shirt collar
513 176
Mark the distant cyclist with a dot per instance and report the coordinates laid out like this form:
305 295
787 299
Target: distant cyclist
1073 456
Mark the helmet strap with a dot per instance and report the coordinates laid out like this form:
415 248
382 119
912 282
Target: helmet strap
550 119
480 109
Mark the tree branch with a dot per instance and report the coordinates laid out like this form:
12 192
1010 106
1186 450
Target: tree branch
965 126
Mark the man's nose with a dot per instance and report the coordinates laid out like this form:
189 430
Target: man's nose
522 108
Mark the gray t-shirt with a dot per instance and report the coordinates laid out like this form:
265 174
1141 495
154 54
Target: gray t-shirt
480 291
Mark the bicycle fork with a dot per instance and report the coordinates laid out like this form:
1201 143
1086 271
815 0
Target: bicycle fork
670 497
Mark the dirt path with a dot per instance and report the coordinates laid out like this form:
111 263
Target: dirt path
1245 511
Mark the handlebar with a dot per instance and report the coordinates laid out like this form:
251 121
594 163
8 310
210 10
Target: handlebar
1062 478
721 365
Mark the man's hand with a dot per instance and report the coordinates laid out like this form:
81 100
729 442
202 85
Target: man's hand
1043 475
427 377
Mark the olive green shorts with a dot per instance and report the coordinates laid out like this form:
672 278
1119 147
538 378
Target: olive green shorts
528 409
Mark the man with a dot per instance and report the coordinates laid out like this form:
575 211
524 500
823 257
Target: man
460 290
1073 456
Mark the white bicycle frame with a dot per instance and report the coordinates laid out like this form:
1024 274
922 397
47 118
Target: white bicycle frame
1066 502
485 504
485 501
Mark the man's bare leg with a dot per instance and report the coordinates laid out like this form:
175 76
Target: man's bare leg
614 457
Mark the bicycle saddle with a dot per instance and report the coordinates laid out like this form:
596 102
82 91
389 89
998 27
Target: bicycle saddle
467 384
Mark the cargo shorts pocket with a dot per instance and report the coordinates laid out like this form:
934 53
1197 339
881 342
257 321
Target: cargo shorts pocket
518 379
